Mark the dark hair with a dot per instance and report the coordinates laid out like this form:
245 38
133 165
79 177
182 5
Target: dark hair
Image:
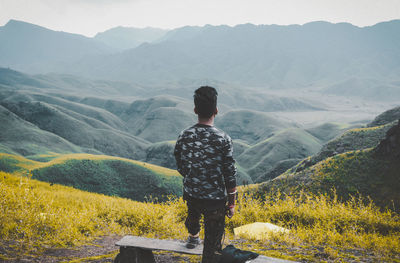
205 101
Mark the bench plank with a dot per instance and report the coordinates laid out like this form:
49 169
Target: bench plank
178 246
157 244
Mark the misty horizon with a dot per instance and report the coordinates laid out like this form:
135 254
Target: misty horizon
88 17
199 26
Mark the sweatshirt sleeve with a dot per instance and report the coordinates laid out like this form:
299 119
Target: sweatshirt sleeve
178 154
229 169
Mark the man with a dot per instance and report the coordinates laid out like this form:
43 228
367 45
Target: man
204 158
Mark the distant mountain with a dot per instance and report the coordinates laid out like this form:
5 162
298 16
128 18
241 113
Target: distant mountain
337 58
129 37
314 54
35 49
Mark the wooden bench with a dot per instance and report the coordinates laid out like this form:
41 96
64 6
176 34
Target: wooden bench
134 249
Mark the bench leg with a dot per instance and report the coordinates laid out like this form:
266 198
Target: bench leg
134 255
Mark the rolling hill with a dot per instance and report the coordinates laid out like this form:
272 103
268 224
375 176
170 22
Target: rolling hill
142 128
161 153
371 172
109 141
159 118
278 152
250 126
327 131
18 136
351 140
386 117
99 173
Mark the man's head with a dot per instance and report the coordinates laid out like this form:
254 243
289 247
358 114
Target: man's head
205 102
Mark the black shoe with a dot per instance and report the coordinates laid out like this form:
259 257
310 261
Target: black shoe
192 242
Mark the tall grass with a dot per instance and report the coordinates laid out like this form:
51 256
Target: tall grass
35 215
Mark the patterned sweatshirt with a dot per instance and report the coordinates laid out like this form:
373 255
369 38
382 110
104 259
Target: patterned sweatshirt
204 158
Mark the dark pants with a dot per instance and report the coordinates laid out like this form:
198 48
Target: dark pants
214 225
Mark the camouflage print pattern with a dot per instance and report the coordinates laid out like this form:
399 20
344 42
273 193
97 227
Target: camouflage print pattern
204 157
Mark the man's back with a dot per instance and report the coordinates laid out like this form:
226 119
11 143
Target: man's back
204 158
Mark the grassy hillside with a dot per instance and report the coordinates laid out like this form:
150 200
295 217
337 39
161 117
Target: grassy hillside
21 137
350 173
98 173
289 145
372 172
386 117
85 111
351 140
162 124
37 216
250 126
327 131
160 118
161 153
79 131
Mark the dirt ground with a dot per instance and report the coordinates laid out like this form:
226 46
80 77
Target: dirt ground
102 250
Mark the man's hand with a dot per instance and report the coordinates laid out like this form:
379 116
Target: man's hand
230 211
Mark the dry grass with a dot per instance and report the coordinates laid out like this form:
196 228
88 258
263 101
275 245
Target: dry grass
35 216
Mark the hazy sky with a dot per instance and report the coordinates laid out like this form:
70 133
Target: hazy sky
91 16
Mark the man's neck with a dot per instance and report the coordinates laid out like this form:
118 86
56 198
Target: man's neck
209 122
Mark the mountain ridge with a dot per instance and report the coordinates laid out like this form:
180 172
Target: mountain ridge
312 54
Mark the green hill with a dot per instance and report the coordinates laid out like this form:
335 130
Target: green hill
289 145
18 136
114 106
327 131
386 117
79 109
351 140
239 147
94 135
161 153
371 172
250 126
160 118
100 174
